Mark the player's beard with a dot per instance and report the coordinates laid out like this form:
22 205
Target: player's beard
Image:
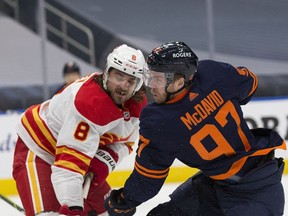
119 96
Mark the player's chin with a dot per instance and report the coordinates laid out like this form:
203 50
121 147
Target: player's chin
120 99
158 99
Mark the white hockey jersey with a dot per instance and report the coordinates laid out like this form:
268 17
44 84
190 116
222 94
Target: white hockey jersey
67 130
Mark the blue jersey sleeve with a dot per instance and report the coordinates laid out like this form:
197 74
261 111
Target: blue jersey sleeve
247 82
146 181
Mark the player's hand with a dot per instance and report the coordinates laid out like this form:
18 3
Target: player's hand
102 164
65 211
117 206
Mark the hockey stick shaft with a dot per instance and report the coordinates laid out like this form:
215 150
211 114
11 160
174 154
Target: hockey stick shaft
86 188
13 204
87 183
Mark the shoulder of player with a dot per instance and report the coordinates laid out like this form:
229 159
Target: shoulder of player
135 107
154 117
211 72
92 102
211 67
150 109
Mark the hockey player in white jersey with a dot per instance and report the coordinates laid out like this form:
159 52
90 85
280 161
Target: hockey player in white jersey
88 126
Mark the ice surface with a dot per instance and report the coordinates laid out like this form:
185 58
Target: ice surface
142 210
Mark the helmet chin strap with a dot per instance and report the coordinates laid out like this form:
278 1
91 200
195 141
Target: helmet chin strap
169 94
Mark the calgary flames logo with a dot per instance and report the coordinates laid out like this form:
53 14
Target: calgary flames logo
109 138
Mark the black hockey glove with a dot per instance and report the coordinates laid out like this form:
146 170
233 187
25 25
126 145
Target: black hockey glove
117 206
72 211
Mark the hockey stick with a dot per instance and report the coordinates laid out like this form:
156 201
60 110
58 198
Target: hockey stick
86 187
87 183
13 204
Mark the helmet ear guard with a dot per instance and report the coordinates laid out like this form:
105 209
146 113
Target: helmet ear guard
127 60
171 58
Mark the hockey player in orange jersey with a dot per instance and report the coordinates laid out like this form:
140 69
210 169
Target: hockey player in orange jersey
88 127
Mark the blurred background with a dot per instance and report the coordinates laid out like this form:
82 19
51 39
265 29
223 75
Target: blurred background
38 37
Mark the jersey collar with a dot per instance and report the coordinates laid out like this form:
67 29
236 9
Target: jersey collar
178 97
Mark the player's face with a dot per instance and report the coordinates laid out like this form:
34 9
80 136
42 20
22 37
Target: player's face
157 81
120 86
159 94
159 88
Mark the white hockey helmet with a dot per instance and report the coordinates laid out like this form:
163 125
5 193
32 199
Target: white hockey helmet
127 60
